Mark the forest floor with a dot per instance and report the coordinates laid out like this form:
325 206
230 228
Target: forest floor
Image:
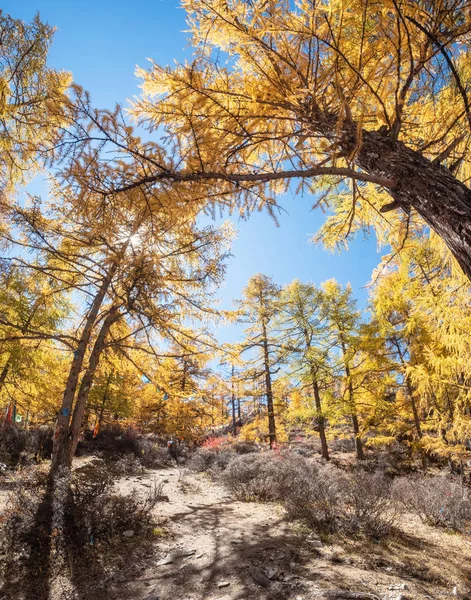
210 547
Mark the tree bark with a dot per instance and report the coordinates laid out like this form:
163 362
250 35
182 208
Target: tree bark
268 389
4 373
233 401
320 417
431 189
351 402
87 380
62 432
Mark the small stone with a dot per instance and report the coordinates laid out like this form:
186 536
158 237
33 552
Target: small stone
223 584
182 553
403 586
259 577
199 555
168 560
316 543
274 573
128 533
455 591
236 541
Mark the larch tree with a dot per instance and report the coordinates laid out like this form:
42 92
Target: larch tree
153 267
343 320
257 309
303 327
365 101
32 315
34 106
421 307
404 332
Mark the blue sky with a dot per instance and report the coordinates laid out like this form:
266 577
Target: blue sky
101 43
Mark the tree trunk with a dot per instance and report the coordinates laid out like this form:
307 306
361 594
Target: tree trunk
268 389
4 373
233 401
429 188
351 402
320 417
87 380
103 403
439 198
62 434
410 393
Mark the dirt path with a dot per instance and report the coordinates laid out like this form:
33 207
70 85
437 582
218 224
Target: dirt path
210 547
218 549
215 546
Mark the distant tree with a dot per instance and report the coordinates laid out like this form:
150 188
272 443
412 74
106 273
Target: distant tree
343 321
305 341
257 308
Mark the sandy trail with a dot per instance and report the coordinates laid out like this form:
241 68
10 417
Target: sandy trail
210 547
221 549
227 544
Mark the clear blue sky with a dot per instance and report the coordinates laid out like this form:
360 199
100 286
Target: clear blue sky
101 43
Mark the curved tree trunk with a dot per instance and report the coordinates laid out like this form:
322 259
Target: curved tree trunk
87 381
429 188
62 433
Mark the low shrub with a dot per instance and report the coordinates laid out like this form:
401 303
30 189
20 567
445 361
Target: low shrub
245 447
342 444
438 501
368 503
124 465
98 514
114 442
21 447
313 496
79 511
324 497
263 476
153 456
205 459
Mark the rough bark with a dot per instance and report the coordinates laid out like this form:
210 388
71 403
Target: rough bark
87 380
62 432
268 389
320 418
431 189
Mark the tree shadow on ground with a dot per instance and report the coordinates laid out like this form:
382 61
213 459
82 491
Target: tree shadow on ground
27 576
241 563
43 564
413 558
